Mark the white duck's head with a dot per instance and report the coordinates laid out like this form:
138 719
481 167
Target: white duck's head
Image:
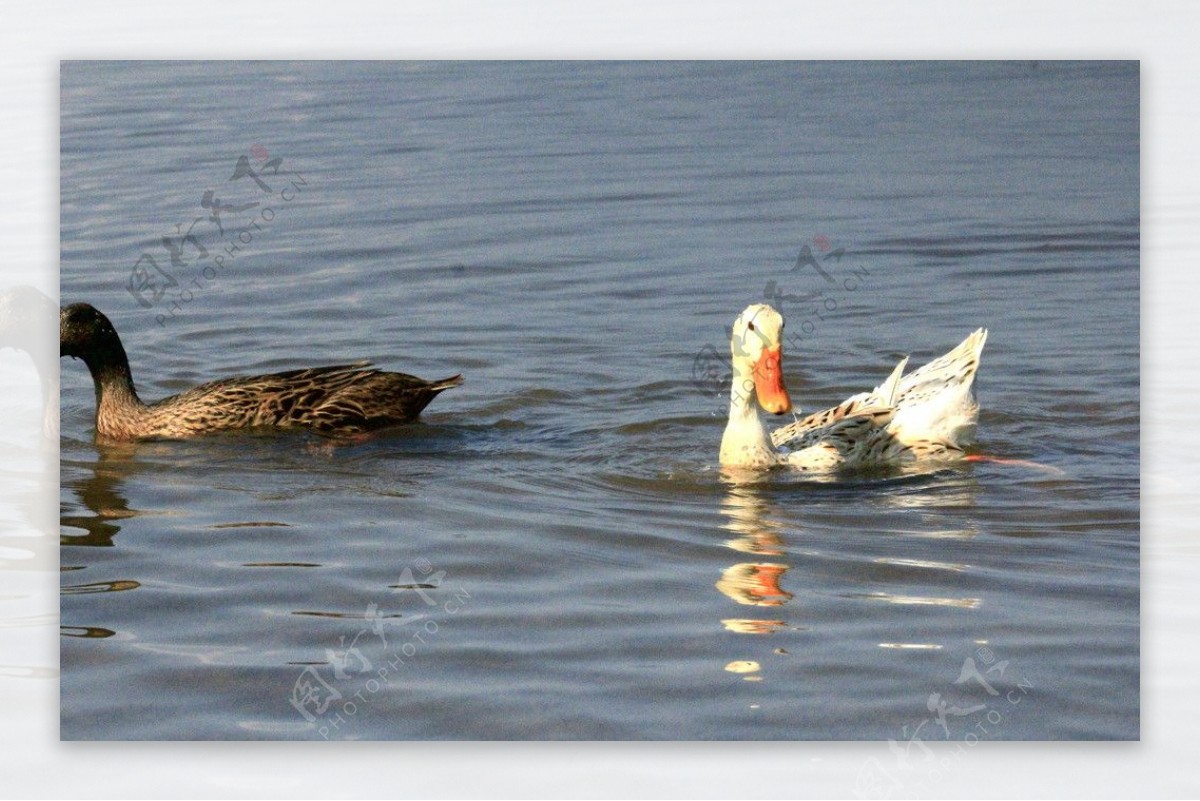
757 350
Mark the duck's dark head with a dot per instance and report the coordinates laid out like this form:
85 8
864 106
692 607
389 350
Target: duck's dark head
85 333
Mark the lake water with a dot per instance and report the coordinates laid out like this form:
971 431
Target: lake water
553 551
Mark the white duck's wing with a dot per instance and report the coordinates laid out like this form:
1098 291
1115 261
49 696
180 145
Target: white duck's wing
953 369
936 402
862 410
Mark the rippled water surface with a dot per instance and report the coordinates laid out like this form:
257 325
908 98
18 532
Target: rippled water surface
553 552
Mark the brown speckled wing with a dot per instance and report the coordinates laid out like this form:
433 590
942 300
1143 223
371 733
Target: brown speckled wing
338 400
807 430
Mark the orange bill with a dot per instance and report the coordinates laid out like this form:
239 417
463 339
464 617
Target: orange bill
768 382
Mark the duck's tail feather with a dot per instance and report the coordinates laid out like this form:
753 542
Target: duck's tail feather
445 383
886 392
959 365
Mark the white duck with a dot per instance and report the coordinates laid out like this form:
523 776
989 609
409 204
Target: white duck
929 414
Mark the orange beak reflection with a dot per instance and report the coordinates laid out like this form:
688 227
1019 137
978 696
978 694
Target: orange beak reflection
768 382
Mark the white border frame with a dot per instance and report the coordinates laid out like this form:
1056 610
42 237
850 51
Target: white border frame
1162 34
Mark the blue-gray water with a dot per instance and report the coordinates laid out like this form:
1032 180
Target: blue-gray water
553 552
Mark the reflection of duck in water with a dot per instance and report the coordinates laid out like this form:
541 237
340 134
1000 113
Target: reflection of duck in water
927 415
755 584
25 315
100 491
752 583
346 400
746 514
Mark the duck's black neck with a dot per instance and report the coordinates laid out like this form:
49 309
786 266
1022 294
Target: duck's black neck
109 367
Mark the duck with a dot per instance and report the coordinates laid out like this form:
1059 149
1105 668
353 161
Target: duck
928 415
25 313
340 401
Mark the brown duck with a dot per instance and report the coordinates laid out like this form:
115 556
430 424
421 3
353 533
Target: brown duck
340 401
